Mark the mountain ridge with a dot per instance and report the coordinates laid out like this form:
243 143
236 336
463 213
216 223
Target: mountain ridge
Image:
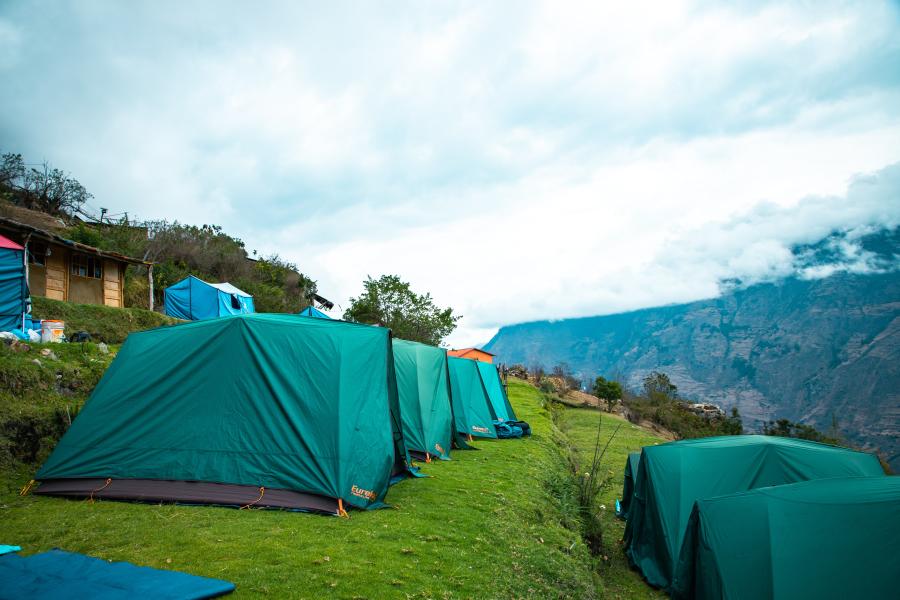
804 348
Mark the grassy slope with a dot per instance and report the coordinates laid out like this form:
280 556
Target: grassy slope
104 323
481 527
580 426
38 398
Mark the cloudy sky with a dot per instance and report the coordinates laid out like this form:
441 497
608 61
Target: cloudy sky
520 160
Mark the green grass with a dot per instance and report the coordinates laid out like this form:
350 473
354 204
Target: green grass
104 323
481 527
580 427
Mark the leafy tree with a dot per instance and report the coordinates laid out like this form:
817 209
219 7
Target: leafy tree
787 428
12 169
610 391
390 302
44 188
733 425
658 387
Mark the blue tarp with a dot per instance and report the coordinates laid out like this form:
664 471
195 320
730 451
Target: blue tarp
13 286
193 299
62 575
312 311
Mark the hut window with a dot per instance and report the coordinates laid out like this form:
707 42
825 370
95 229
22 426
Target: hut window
87 266
37 254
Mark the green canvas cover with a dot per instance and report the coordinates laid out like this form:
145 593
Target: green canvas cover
423 385
631 468
495 392
672 476
828 538
263 400
471 407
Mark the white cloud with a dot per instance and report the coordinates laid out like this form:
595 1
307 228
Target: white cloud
521 161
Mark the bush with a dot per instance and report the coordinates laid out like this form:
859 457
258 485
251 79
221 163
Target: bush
575 489
206 252
660 404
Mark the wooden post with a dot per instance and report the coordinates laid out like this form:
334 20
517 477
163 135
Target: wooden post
150 280
27 239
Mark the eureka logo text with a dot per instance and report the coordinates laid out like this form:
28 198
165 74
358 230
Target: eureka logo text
361 493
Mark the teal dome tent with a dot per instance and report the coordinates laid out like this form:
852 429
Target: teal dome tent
826 538
671 477
262 409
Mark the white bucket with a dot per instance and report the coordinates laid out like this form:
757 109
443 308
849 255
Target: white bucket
52 331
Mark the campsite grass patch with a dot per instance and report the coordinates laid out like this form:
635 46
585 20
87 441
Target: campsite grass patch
579 426
482 526
104 323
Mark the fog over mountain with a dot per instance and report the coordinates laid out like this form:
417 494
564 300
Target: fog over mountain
822 342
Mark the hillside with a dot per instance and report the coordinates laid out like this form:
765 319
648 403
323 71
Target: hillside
802 349
484 525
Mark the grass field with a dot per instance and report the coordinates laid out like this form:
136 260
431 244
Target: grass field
481 527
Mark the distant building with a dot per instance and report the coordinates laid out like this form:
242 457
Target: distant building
62 269
473 354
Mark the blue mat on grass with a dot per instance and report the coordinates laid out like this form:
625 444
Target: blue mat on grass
59 574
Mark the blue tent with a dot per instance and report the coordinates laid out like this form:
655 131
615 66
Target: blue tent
14 297
312 311
193 299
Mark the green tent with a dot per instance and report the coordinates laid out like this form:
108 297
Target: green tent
259 409
472 410
829 538
631 469
672 476
495 391
423 383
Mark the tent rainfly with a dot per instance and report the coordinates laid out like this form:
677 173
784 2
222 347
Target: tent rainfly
14 296
193 299
827 538
631 469
423 385
262 410
506 422
503 411
312 311
672 476
471 407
